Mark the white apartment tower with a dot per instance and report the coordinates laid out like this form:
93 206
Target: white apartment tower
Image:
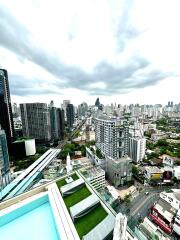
137 146
112 136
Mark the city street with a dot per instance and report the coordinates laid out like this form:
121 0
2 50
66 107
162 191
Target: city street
139 206
142 204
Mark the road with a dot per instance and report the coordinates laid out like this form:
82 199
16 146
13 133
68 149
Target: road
140 205
78 127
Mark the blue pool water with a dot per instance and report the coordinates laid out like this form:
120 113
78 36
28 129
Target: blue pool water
34 221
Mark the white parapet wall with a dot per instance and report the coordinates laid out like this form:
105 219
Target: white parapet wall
65 226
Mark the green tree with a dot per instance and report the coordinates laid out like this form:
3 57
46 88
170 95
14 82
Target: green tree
147 134
162 143
162 122
135 170
152 155
177 162
90 143
127 199
98 153
83 150
41 150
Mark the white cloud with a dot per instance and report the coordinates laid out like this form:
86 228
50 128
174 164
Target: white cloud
97 85
83 34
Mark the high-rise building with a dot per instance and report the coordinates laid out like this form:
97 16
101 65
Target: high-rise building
36 121
64 106
54 121
65 103
6 119
61 123
5 175
137 147
82 109
70 115
15 110
170 104
97 103
112 136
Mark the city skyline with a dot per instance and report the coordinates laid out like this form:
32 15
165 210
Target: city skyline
126 53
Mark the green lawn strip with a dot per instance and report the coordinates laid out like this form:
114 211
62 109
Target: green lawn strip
61 182
74 176
90 220
76 197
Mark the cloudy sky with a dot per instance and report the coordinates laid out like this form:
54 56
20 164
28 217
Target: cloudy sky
123 51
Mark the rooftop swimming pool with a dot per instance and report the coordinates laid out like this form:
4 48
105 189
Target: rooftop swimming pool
32 221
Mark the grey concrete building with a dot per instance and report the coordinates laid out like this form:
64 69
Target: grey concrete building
36 121
119 171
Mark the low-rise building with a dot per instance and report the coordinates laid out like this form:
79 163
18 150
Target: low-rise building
176 171
95 176
158 136
167 160
149 126
173 198
114 193
162 213
153 173
165 213
173 141
119 170
147 230
176 225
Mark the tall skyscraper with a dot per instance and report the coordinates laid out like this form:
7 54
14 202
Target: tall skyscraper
64 106
82 109
61 123
36 121
97 103
112 136
54 121
15 110
5 175
6 119
70 115
65 103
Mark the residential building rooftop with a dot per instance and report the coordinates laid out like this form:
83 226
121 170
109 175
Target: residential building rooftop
93 172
